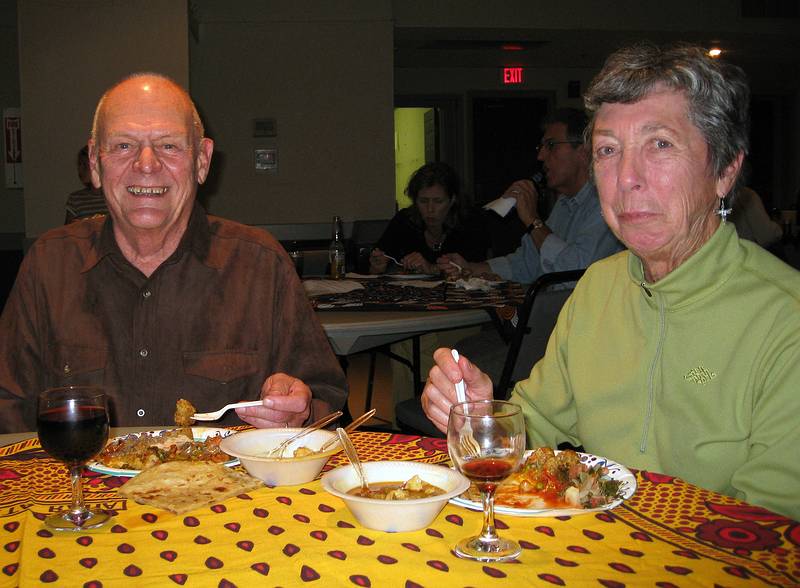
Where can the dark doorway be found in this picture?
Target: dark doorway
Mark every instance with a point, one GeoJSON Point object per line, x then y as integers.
{"type": "Point", "coordinates": [505, 134]}
{"type": "Point", "coordinates": [506, 131]}
{"type": "Point", "coordinates": [763, 139]}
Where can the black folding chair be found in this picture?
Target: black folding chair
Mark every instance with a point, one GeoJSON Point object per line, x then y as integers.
{"type": "Point", "coordinates": [536, 318]}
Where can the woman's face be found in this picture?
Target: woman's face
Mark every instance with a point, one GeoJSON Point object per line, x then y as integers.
{"type": "Point", "coordinates": [433, 204]}
{"type": "Point", "coordinates": [657, 188]}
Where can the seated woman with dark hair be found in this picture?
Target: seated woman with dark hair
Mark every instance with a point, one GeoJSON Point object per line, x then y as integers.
{"type": "Point", "coordinates": [437, 222]}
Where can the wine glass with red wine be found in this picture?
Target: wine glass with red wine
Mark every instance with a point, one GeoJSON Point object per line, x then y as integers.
{"type": "Point", "coordinates": [73, 427]}
{"type": "Point", "coordinates": [486, 440]}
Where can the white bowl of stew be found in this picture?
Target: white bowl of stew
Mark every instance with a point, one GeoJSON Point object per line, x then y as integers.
{"type": "Point", "coordinates": [395, 516]}
{"type": "Point", "coordinates": [252, 448]}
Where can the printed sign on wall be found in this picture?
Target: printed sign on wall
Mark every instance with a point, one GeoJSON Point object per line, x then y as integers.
{"type": "Point", "coordinates": [12, 147]}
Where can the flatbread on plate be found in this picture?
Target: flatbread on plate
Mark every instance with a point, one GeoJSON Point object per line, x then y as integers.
{"type": "Point", "coordinates": [181, 486]}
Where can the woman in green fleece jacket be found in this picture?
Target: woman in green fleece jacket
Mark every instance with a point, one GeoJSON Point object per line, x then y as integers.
{"type": "Point", "coordinates": [682, 354]}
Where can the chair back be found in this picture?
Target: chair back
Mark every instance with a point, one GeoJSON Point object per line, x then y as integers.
{"type": "Point", "coordinates": [536, 319]}
{"type": "Point", "coordinates": [365, 234]}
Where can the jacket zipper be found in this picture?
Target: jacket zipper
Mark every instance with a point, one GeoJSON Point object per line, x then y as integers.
{"type": "Point", "coordinates": [651, 374]}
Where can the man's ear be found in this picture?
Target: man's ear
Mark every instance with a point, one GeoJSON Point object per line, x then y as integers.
{"type": "Point", "coordinates": [203, 159]}
{"type": "Point", "coordinates": [94, 163]}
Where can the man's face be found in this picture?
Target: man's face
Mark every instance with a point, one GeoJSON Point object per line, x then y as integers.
{"type": "Point", "coordinates": [146, 159]}
{"type": "Point", "coordinates": [657, 188]}
{"type": "Point", "coordinates": [565, 164]}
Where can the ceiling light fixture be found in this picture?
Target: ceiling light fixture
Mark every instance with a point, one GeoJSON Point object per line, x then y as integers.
{"type": "Point", "coordinates": [714, 52]}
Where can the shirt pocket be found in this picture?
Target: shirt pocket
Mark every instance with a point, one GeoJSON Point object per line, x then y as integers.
{"type": "Point", "coordinates": [221, 366]}
{"type": "Point", "coordinates": [77, 364]}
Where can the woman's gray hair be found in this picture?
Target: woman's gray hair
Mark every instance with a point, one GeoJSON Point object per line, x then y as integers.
{"type": "Point", "coordinates": [717, 92]}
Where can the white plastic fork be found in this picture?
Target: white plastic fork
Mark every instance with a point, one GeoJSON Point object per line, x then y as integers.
{"type": "Point", "coordinates": [389, 257]}
{"type": "Point", "coordinates": [213, 416]}
{"type": "Point", "coordinates": [468, 443]}
{"type": "Point", "coordinates": [461, 391]}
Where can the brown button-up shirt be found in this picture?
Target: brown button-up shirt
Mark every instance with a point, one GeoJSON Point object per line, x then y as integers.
{"type": "Point", "coordinates": [218, 317]}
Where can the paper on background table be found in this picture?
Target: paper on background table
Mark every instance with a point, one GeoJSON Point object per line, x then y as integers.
{"type": "Point", "coordinates": [475, 284]}
{"type": "Point", "coordinates": [316, 287]}
{"type": "Point", "coordinates": [502, 205]}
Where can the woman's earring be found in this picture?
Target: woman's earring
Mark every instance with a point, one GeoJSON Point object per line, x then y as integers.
{"type": "Point", "coordinates": [722, 211]}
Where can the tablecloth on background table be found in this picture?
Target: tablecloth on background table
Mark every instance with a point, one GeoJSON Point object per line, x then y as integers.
{"type": "Point", "coordinates": [384, 294]}
{"type": "Point", "coordinates": [669, 534]}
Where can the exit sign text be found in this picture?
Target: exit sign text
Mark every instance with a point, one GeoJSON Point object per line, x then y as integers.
{"type": "Point", "coordinates": [512, 75]}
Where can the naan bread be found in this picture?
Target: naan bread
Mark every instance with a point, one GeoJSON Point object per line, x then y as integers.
{"type": "Point", "coordinates": [181, 486]}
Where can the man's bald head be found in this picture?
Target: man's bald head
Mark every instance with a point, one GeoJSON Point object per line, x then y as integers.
{"type": "Point", "coordinates": [148, 81]}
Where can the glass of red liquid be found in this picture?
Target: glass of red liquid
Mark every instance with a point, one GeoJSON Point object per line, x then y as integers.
{"type": "Point", "coordinates": [486, 441]}
{"type": "Point", "coordinates": [72, 423]}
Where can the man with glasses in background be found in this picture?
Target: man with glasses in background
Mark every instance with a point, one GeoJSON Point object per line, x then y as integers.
{"type": "Point", "coordinates": [574, 234]}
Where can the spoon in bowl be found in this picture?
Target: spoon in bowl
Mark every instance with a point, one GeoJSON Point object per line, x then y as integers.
{"type": "Point", "coordinates": [349, 428]}
{"type": "Point", "coordinates": [352, 455]}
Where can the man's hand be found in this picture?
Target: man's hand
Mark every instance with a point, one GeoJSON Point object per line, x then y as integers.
{"type": "Point", "coordinates": [527, 200]}
{"type": "Point", "coordinates": [440, 389]}
{"type": "Point", "coordinates": [414, 262]}
{"type": "Point", "coordinates": [377, 262]}
{"type": "Point", "coordinates": [287, 403]}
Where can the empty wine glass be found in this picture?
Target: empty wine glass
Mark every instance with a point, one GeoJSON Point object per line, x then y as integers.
{"type": "Point", "coordinates": [486, 441]}
{"type": "Point", "coordinates": [72, 422]}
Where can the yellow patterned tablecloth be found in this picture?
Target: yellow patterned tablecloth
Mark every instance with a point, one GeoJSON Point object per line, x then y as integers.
{"type": "Point", "coordinates": [669, 534]}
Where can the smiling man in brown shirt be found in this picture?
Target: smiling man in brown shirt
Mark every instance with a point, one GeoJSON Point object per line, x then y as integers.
{"type": "Point", "coordinates": [161, 301]}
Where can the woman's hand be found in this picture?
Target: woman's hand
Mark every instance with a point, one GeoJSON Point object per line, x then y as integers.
{"type": "Point", "coordinates": [377, 262]}
{"type": "Point", "coordinates": [447, 265]}
{"type": "Point", "coordinates": [440, 389]}
{"type": "Point", "coordinates": [414, 262]}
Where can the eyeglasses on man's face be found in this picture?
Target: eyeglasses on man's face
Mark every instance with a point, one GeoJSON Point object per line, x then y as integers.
{"type": "Point", "coordinates": [548, 144]}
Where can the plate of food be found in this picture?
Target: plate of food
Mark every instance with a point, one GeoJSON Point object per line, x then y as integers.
{"type": "Point", "coordinates": [127, 455]}
{"type": "Point", "coordinates": [554, 483]}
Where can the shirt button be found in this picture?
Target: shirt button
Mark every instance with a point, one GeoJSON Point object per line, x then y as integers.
{"type": "Point", "coordinates": [146, 294]}
{"type": "Point", "coordinates": [140, 412]}
{"type": "Point", "coordinates": [67, 369]}
{"type": "Point", "coordinates": [143, 352]}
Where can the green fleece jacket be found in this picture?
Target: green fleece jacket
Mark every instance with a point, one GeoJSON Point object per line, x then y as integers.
{"type": "Point", "coordinates": [696, 376]}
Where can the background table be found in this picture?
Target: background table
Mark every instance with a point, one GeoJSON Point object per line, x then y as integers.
{"type": "Point", "coordinates": [669, 534]}
{"type": "Point", "coordinates": [354, 331]}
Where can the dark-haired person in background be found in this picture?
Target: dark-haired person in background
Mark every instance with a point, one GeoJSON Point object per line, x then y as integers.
{"type": "Point", "coordinates": [438, 222]}
{"type": "Point", "coordinates": [88, 201]}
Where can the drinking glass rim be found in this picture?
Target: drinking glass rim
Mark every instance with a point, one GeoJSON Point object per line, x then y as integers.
{"type": "Point", "coordinates": [51, 393]}
{"type": "Point", "coordinates": [484, 402]}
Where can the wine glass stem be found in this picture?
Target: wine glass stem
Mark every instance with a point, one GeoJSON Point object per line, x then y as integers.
{"type": "Point", "coordinates": [488, 531]}
{"type": "Point", "coordinates": [77, 511]}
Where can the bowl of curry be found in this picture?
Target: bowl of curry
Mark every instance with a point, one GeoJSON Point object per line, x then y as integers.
{"type": "Point", "coordinates": [403, 495]}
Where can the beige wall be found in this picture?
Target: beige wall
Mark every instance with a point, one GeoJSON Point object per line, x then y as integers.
{"type": "Point", "coordinates": [12, 202]}
{"type": "Point", "coordinates": [327, 81]}
{"type": "Point", "coordinates": [70, 52]}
